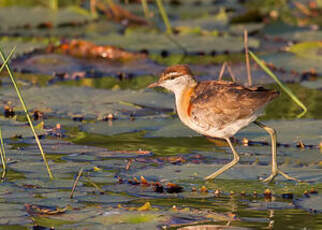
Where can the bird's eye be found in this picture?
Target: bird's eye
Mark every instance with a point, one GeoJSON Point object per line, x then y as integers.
{"type": "Point", "coordinates": [172, 76]}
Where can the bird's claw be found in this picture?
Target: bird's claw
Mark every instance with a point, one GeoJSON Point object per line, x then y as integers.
{"type": "Point", "coordinates": [275, 173]}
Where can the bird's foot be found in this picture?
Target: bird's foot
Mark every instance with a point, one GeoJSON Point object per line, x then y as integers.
{"type": "Point", "coordinates": [275, 173]}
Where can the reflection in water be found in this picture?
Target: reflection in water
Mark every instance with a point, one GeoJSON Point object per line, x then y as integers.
{"type": "Point", "coordinates": [271, 221]}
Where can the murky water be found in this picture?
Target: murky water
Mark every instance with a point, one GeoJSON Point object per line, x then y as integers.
{"type": "Point", "coordinates": [141, 168]}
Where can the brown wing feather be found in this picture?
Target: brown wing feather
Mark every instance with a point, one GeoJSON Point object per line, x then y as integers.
{"type": "Point", "coordinates": [216, 103]}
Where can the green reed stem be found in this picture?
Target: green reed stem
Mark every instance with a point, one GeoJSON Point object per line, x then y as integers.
{"type": "Point", "coordinates": [145, 9]}
{"type": "Point", "coordinates": [8, 58]}
{"type": "Point", "coordinates": [175, 42]}
{"type": "Point", "coordinates": [53, 4]}
{"type": "Point", "coordinates": [283, 87]}
{"type": "Point", "coordinates": [2, 150]}
{"type": "Point", "coordinates": [3, 157]}
{"type": "Point", "coordinates": [27, 114]}
{"type": "Point", "coordinates": [164, 16]}
{"type": "Point", "coordinates": [94, 185]}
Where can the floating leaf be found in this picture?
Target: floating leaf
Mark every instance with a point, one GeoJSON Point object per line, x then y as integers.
{"type": "Point", "coordinates": [145, 207]}
{"type": "Point", "coordinates": [311, 50]}
{"type": "Point", "coordinates": [37, 16]}
{"type": "Point", "coordinates": [157, 42]}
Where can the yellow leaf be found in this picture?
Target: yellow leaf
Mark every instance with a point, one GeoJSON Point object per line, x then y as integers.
{"type": "Point", "coordinates": [40, 125]}
{"type": "Point", "coordinates": [96, 169]}
{"type": "Point", "coordinates": [145, 207]}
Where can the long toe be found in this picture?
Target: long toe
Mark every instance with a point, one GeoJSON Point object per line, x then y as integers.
{"type": "Point", "coordinates": [278, 171]}
{"type": "Point", "coordinates": [288, 177]}
{"type": "Point", "coordinates": [270, 178]}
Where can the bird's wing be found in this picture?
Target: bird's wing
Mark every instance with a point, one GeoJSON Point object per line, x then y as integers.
{"type": "Point", "coordinates": [216, 103]}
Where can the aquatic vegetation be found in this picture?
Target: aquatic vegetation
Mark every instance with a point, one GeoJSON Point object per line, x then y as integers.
{"type": "Point", "coordinates": [121, 157]}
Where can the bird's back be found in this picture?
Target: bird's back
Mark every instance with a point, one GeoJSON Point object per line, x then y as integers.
{"type": "Point", "coordinates": [217, 104]}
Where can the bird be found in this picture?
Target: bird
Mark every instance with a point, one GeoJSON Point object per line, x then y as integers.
{"type": "Point", "coordinates": [219, 109]}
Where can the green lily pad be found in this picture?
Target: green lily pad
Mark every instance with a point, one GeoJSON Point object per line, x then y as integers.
{"type": "Point", "coordinates": [68, 101]}
{"type": "Point", "coordinates": [104, 198]}
{"type": "Point", "coordinates": [22, 45]}
{"type": "Point", "coordinates": [315, 84]}
{"type": "Point", "coordinates": [241, 172]}
{"type": "Point", "coordinates": [126, 221]}
{"type": "Point", "coordinates": [173, 128]}
{"type": "Point", "coordinates": [271, 205]}
{"type": "Point", "coordinates": [250, 27]}
{"type": "Point", "coordinates": [76, 68]}
{"type": "Point", "coordinates": [157, 42]}
{"type": "Point", "coordinates": [291, 62]}
{"type": "Point", "coordinates": [11, 128]}
{"type": "Point", "coordinates": [183, 9]}
{"type": "Point", "coordinates": [201, 24]}
{"type": "Point", "coordinates": [97, 28]}
{"type": "Point", "coordinates": [310, 50]}
{"type": "Point", "coordinates": [312, 204]}
{"type": "Point", "coordinates": [35, 16]}
{"type": "Point", "coordinates": [124, 126]}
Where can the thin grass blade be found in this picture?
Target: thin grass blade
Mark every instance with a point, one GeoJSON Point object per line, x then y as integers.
{"type": "Point", "coordinates": [145, 9]}
{"type": "Point", "coordinates": [8, 59]}
{"type": "Point", "coordinates": [164, 16]}
{"type": "Point", "coordinates": [27, 114]}
{"type": "Point", "coordinates": [3, 157]}
{"type": "Point", "coordinates": [53, 4]}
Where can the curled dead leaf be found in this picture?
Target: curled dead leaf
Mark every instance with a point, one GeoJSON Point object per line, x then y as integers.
{"type": "Point", "coordinates": [85, 49]}
{"type": "Point", "coordinates": [33, 209]}
{"type": "Point", "coordinates": [173, 188]}
{"type": "Point", "coordinates": [144, 182]}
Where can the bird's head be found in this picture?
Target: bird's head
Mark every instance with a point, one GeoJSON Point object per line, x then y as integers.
{"type": "Point", "coordinates": [175, 78]}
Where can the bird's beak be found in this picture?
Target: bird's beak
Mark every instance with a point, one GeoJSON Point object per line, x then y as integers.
{"type": "Point", "coordinates": [154, 84]}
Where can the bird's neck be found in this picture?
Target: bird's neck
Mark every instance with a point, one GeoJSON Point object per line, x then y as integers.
{"type": "Point", "coordinates": [183, 97]}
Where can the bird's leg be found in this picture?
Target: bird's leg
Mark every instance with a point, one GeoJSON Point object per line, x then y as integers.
{"type": "Point", "coordinates": [275, 169]}
{"type": "Point", "coordinates": [227, 166]}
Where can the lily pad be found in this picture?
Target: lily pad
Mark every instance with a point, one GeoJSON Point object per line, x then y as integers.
{"type": "Point", "coordinates": [271, 205]}
{"type": "Point", "coordinates": [194, 171]}
{"type": "Point", "coordinates": [311, 50]}
{"type": "Point", "coordinates": [68, 101]}
{"type": "Point", "coordinates": [203, 24]}
{"type": "Point", "coordinates": [157, 42]}
{"type": "Point", "coordinates": [312, 204]}
{"type": "Point", "coordinates": [73, 67]}
{"type": "Point", "coordinates": [11, 129]}
{"type": "Point", "coordinates": [104, 199]}
{"type": "Point", "coordinates": [124, 126]}
{"type": "Point", "coordinates": [97, 28]}
{"type": "Point", "coordinates": [32, 17]}
{"type": "Point", "coordinates": [291, 62]}
{"type": "Point", "coordinates": [98, 116]}
{"type": "Point", "coordinates": [22, 45]}
{"type": "Point", "coordinates": [315, 84]}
